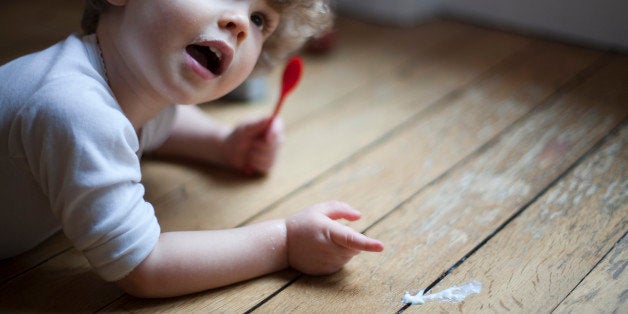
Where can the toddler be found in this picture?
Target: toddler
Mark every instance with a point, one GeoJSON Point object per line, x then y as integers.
{"type": "Point", "coordinates": [76, 117]}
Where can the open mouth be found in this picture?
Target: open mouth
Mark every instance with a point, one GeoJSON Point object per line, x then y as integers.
{"type": "Point", "coordinates": [208, 57]}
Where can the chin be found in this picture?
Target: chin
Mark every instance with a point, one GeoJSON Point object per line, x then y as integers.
{"type": "Point", "coordinates": [183, 97]}
{"type": "Point", "coordinates": [184, 93]}
{"type": "Point", "coordinates": [195, 98]}
{"type": "Point", "coordinates": [188, 90]}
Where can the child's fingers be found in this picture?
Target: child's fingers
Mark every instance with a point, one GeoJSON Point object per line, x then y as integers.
{"type": "Point", "coordinates": [339, 210]}
{"type": "Point", "coordinates": [350, 239]}
{"type": "Point", "coordinates": [275, 131]}
{"type": "Point", "coordinates": [262, 163]}
{"type": "Point", "coordinates": [253, 128]}
{"type": "Point", "coordinates": [257, 129]}
{"type": "Point", "coordinates": [262, 154]}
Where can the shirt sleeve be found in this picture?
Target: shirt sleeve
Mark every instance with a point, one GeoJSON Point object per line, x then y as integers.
{"type": "Point", "coordinates": [156, 131]}
{"type": "Point", "coordinates": [83, 155]}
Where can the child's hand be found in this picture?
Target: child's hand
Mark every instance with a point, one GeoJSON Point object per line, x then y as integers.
{"type": "Point", "coordinates": [318, 245]}
{"type": "Point", "coordinates": [252, 148]}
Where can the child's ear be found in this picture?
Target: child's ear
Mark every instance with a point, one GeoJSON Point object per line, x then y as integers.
{"type": "Point", "coordinates": [118, 3]}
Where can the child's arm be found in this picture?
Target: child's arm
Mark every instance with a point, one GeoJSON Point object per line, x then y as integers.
{"type": "Point", "coordinates": [191, 261]}
{"type": "Point", "coordinates": [196, 136]}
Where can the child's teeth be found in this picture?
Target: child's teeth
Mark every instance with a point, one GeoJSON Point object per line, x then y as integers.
{"type": "Point", "coordinates": [216, 51]}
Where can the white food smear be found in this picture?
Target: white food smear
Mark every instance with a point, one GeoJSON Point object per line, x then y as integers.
{"type": "Point", "coordinates": [454, 294]}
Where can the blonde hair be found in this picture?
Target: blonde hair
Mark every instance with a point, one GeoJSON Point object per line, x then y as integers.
{"type": "Point", "coordinates": [300, 20]}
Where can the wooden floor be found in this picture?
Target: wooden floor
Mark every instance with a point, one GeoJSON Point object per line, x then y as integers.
{"type": "Point", "coordinates": [473, 154]}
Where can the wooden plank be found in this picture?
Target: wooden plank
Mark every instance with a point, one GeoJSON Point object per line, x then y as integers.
{"type": "Point", "coordinates": [604, 289]}
{"type": "Point", "coordinates": [208, 200]}
{"type": "Point", "coordinates": [375, 185]}
{"type": "Point", "coordinates": [434, 229]}
{"type": "Point", "coordinates": [436, 141]}
{"type": "Point", "coordinates": [334, 74]}
{"type": "Point", "coordinates": [357, 60]}
{"type": "Point", "coordinates": [62, 284]}
{"type": "Point", "coordinates": [545, 252]}
{"type": "Point", "coordinates": [12, 267]}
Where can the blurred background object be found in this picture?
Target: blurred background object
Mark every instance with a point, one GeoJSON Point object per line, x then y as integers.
{"type": "Point", "coordinates": [601, 23]}
{"type": "Point", "coordinates": [391, 12]}
{"type": "Point", "coordinates": [597, 23]}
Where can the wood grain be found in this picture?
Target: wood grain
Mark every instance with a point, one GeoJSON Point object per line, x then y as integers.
{"type": "Point", "coordinates": [435, 141]}
{"type": "Point", "coordinates": [339, 79]}
{"type": "Point", "coordinates": [382, 53]}
{"type": "Point", "coordinates": [544, 253]}
{"type": "Point", "coordinates": [604, 289]}
{"type": "Point", "coordinates": [12, 267]}
{"type": "Point", "coordinates": [436, 228]}
{"type": "Point", "coordinates": [215, 199]}
{"type": "Point", "coordinates": [61, 284]}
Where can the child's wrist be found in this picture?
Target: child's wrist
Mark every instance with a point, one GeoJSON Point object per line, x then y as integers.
{"type": "Point", "coordinates": [279, 242]}
{"type": "Point", "coordinates": [284, 236]}
{"type": "Point", "coordinates": [220, 142]}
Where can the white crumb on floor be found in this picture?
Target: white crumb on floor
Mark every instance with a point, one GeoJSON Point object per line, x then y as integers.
{"type": "Point", "coordinates": [454, 294]}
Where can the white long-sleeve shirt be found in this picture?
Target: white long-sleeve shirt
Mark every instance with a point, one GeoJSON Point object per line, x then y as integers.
{"type": "Point", "coordinates": [69, 159]}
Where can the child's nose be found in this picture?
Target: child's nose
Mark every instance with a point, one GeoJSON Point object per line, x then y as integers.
{"type": "Point", "coordinates": [237, 23]}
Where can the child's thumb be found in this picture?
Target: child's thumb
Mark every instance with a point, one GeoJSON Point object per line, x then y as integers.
{"type": "Point", "coordinates": [340, 210]}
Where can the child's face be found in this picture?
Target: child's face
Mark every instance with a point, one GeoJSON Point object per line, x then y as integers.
{"type": "Point", "coordinates": [192, 51]}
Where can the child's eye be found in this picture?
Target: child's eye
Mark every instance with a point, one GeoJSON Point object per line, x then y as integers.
{"type": "Point", "coordinates": [258, 19]}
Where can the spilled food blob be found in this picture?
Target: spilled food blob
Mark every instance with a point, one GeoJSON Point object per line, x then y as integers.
{"type": "Point", "coordinates": [454, 294]}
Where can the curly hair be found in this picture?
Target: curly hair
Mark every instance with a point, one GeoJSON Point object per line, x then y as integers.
{"type": "Point", "coordinates": [300, 20]}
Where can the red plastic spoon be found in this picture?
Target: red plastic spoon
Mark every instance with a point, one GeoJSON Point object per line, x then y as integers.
{"type": "Point", "coordinates": [291, 76]}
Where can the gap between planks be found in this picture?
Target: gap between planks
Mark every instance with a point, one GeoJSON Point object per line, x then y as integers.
{"type": "Point", "coordinates": [575, 157]}
{"type": "Point", "coordinates": [593, 150]}
{"type": "Point", "coordinates": [609, 151]}
{"type": "Point", "coordinates": [593, 291]}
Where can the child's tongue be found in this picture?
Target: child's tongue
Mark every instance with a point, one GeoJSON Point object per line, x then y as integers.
{"type": "Point", "coordinates": [198, 55]}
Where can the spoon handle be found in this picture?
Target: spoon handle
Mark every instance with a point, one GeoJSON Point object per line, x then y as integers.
{"type": "Point", "coordinates": [291, 77]}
